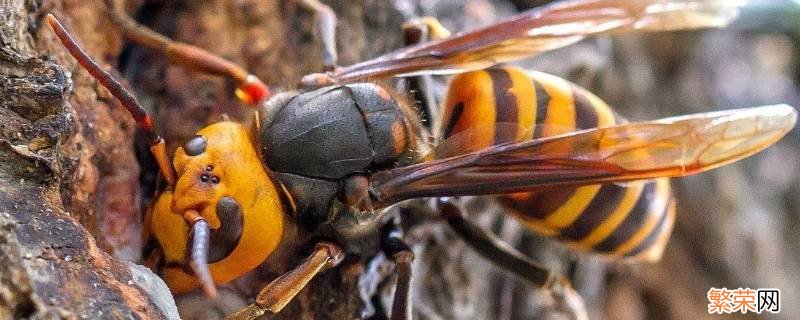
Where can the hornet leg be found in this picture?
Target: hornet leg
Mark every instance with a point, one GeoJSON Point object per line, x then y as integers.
{"type": "Point", "coordinates": [326, 26]}
{"type": "Point", "coordinates": [504, 255]}
{"type": "Point", "coordinates": [493, 248]}
{"type": "Point", "coordinates": [249, 88]}
{"type": "Point", "coordinates": [402, 256]}
{"type": "Point", "coordinates": [278, 293]}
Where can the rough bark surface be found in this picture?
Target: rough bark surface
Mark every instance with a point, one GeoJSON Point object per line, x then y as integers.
{"type": "Point", "coordinates": [71, 200]}
{"type": "Point", "coordinates": [54, 135]}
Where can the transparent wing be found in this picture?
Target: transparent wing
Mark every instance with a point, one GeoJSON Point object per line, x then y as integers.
{"type": "Point", "coordinates": [668, 147]}
{"type": "Point", "coordinates": [470, 140]}
{"type": "Point", "coordinates": [540, 30]}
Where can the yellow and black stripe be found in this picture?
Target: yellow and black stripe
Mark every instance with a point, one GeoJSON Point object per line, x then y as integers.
{"type": "Point", "coordinates": [506, 104]}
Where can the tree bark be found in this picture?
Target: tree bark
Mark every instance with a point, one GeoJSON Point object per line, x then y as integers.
{"type": "Point", "coordinates": [55, 134]}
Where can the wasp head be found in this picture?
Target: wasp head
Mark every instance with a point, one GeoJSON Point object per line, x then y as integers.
{"type": "Point", "coordinates": [220, 161]}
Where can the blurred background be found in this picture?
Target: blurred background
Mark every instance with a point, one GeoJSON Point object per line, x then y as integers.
{"type": "Point", "coordinates": [737, 226]}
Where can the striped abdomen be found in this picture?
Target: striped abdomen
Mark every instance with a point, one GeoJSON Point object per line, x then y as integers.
{"type": "Point", "coordinates": [492, 106]}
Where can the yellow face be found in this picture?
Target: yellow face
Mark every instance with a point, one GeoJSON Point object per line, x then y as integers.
{"type": "Point", "coordinates": [219, 162]}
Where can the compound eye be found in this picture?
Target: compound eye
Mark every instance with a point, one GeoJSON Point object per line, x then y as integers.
{"type": "Point", "coordinates": [196, 145]}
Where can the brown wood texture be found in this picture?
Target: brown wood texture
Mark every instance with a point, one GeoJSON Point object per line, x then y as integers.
{"type": "Point", "coordinates": [69, 165]}
{"type": "Point", "coordinates": [64, 165]}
